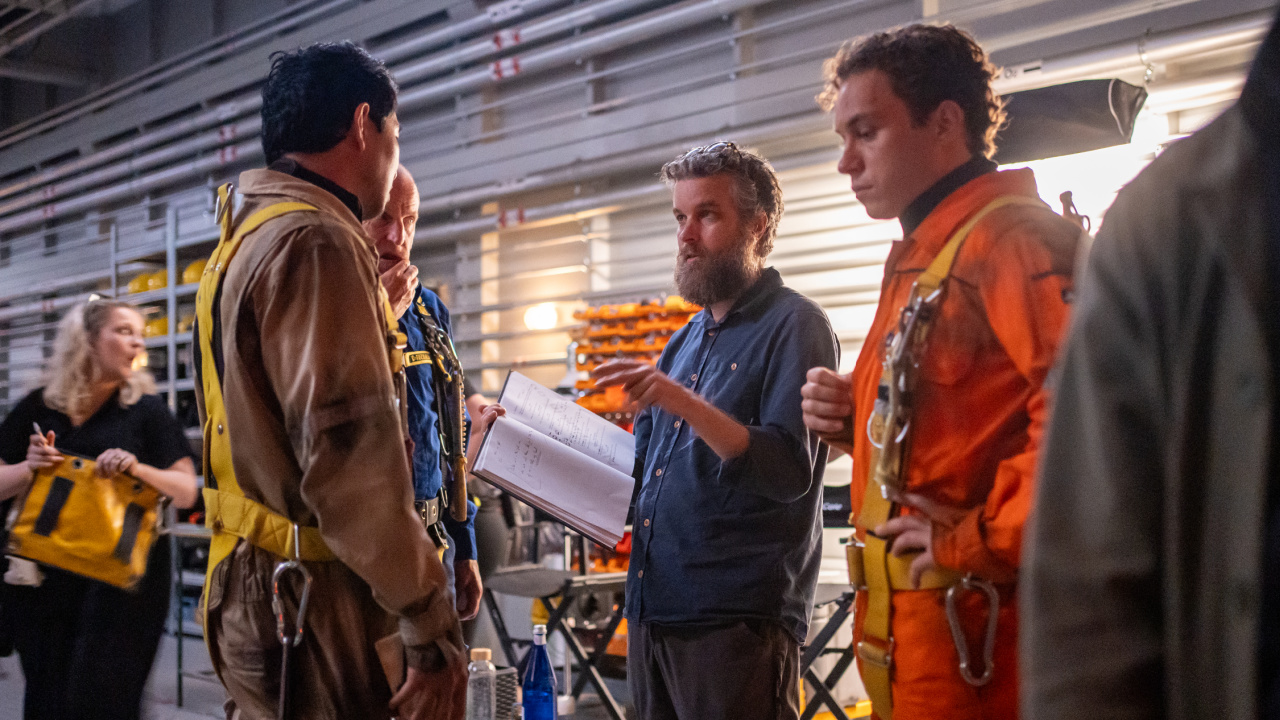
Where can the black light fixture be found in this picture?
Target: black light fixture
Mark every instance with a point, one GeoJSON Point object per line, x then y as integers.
{"type": "Point", "coordinates": [1067, 119]}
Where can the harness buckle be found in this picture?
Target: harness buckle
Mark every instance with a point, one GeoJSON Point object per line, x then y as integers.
{"type": "Point", "coordinates": [971, 583]}
{"type": "Point", "coordinates": [879, 656]}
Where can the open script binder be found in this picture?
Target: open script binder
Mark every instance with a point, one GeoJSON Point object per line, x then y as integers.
{"type": "Point", "coordinates": [560, 458]}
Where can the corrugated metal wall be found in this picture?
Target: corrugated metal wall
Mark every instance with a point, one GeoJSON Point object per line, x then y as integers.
{"type": "Point", "coordinates": [536, 136]}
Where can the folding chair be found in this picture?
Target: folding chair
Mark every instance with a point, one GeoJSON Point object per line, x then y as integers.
{"type": "Point", "coordinates": [823, 687]}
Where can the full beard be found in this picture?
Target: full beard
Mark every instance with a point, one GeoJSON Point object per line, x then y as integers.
{"type": "Point", "coordinates": [714, 278]}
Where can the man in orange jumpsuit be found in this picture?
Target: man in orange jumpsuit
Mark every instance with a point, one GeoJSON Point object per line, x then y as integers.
{"type": "Point", "coordinates": [917, 115]}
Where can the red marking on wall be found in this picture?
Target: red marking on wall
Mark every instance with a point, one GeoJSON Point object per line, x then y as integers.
{"type": "Point", "coordinates": [505, 68]}
{"type": "Point", "coordinates": [227, 155]}
{"type": "Point", "coordinates": [227, 132]}
{"type": "Point", "coordinates": [511, 218]}
{"type": "Point", "coordinates": [48, 211]}
{"type": "Point", "coordinates": [506, 38]}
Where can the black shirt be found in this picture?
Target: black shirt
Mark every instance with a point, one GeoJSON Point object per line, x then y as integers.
{"type": "Point", "coordinates": [920, 208]}
{"type": "Point", "coordinates": [147, 429]}
{"type": "Point", "coordinates": [291, 167]}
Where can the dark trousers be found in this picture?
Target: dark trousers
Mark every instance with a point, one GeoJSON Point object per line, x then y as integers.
{"type": "Point", "coordinates": [491, 550]}
{"type": "Point", "coordinates": [86, 647]}
{"type": "Point", "coordinates": [746, 670]}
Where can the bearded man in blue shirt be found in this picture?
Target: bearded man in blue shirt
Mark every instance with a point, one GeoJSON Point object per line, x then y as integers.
{"type": "Point", "coordinates": [727, 515]}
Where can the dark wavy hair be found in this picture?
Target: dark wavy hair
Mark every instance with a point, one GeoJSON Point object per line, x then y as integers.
{"type": "Point", "coordinates": [926, 64]}
{"type": "Point", "coordinates": [312, 93]}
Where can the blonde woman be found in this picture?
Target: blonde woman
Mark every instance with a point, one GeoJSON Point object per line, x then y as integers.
{"type": "Point", "coordinates": [87, 647]}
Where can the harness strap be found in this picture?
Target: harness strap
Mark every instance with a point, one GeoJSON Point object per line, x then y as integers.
{"type": "Point", "coordinates": [883, 573]}
{"type": "Point", "coordinates": [229, 514]}
{"type": "Point", "coordinates": [447, 379]}
{"type": "Point", "coordinates": [258, 524]}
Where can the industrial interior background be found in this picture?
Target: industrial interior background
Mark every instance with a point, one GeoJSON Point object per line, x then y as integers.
{"type": "Point", "coordinates": [535, 129]}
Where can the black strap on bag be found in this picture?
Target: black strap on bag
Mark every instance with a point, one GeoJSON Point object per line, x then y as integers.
{"type": "Point", "coordinates": [6, 624]}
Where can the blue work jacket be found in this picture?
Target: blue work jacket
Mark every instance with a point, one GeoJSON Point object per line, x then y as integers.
{"type": "Point", "coordinates": [428, 473]}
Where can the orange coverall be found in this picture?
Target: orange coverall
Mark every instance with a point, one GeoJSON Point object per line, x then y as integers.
{"type": "Point", "coordinates": [977, 422]}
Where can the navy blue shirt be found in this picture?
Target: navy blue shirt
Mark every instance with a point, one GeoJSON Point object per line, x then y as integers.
{"type": "Point", "coordinates": [716, 542]}
{"type": "Point", "coordinates": [428, 473]}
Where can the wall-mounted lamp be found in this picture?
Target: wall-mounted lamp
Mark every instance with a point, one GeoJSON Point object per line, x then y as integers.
{"type": "Point", "coordinates": [542, 316]}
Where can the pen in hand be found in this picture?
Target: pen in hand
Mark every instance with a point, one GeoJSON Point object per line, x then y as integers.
{"type": "Point", "coordinates": [47, 455]}
{"type": "Point", "coordinates": [47, 439]}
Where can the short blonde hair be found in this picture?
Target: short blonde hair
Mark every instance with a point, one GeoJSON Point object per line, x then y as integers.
{"type": "Point", "coordinates": [70, 372]}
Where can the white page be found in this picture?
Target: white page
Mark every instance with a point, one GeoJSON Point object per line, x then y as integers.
{"type": "Point", "coordinates": [575, 488]}
{"type": "Point", "coordinates": [558, 417]}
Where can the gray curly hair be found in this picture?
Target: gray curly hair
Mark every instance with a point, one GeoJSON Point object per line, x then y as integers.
{"type": "Point", "coordinates": [755, 183]}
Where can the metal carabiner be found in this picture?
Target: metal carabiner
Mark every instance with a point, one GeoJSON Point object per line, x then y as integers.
{"type": "Point", "coordinates": [277, 604]}
{"type": "Point", "coordinates": [288, 642]}
{"type": "Point", "coordinates": [970, 583]}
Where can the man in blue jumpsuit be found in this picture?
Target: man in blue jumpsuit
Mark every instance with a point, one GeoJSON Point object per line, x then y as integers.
{"type": "Point", "coordinates": [419, 309]}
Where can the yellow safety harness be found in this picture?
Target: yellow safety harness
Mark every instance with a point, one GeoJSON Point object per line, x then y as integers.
{"type": "Point", "coordinates": [872, 569]}
{"type": "Point", "coordinates": [228, 513]}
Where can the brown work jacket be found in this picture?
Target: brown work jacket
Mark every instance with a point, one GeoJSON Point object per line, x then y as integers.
{"type": "Point", "coordinates": [316, 436]}
{"type": "Point", "coordinates": [1143, 583]}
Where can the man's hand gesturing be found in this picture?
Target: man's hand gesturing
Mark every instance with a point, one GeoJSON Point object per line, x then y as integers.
{"type": "Point", "coordinates": [645, 385]}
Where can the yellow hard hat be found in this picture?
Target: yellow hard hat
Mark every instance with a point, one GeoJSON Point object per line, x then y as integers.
{"type": "Point", "coordinates": [156, 327]}
{"type": "Point", "coordinates": [194, 271]}
{"type": "Point", "coordinates": [158, 279]}
{"type": "Point", "coordinates": [139, 283]}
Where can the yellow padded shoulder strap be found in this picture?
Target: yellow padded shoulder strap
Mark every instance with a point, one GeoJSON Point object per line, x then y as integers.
{"type": "Point", "coordinates": [940, 269]}
{"type": "Point", "coordinates": [217, 455]}
{"type": "Point", "coordinates": [229, 513]}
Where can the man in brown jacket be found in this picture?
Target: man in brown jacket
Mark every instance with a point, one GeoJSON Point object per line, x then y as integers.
{"type": "Point", "coordinates": [311, 410]}
{"type": "Point", "coordinates": [1152, 572]}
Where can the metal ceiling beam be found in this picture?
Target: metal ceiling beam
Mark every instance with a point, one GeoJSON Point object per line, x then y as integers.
{"type": "Point", "coordinates": [59, 11]}
{"type": "Point", "coordinates": [30, 4]}
{"type": "Point", "coordinates": [35, 72]}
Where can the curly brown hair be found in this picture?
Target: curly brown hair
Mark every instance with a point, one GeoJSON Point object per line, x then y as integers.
{"type": "Point", "coordinates": [926, 64]}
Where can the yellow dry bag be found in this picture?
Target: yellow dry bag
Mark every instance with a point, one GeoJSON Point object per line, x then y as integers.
{"type": "Point", "coordinates": [102, 528]}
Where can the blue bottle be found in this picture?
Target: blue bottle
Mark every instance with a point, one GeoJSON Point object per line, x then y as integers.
{"type": "Point", "coordinates": [538, 688]}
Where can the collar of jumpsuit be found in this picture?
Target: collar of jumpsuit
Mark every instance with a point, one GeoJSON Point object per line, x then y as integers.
{"type": "Point", "coordinates": [347, 198]}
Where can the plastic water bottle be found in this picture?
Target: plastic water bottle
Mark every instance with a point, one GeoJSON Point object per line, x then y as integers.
{"type": "Point", "coordinates": [482, 681]}
{"type": "Point", "coordinates": [538, 688]}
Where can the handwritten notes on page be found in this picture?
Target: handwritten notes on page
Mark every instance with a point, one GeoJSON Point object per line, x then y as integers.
{"type": "Point", "coordinates": [559, 418]}
{"type": "Point", "coordinates": [560, 458]}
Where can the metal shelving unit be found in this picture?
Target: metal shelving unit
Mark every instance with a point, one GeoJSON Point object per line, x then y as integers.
{"type": "Point", "coordinates": [176, 249]}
